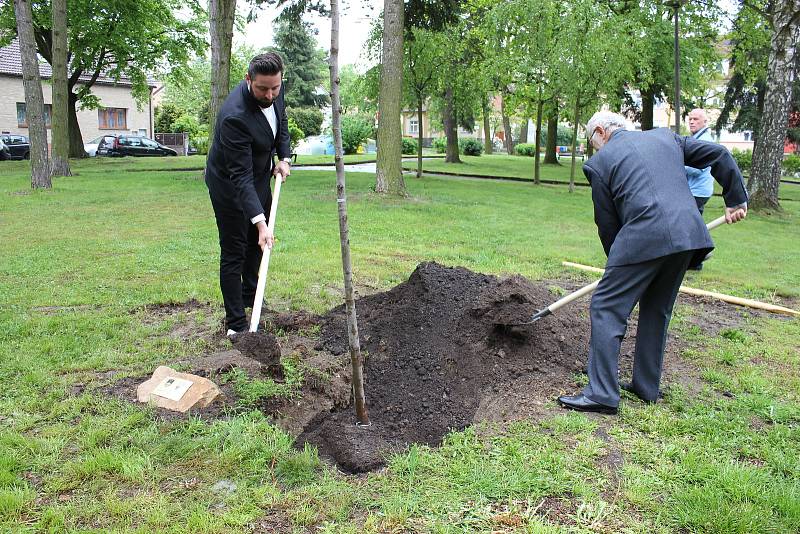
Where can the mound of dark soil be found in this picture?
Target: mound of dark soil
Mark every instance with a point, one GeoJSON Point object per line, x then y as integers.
{"type": "Point", "coordinates": [435, 359]}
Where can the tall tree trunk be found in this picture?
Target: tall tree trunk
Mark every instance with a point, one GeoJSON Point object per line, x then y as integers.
{"type": "Point", "coordinates": [576, 122]}
{"type": "Point", "coordinates": [509, 141]}
{"type": "Point", "coordinates": [487, 130]}
{"type": "Point", "coordinates": [60, 89]}
{"type": "Point", "coordinates": [34, 99]}
{"type": "Point", "coordinates": [389, 172]}
{"type": "Point", "coordinates": [420, 137]}
{"type": "Point", "coordinates": [450, 128]}
{"type": "Point", "coordinates": [523, 131]}
{"type": "Point", "coordinates": [552, 136]}
{"type": "Point", "coordinates": [221, 13]}
{"type": "Point", "coordinates": [538, 140]}
{"type": "Point", "coordinates": [356, 359]}
{"type": "Point", "coordinates": [648, 100]}
{"type": "Point", "coordinates": [76, 149]}
{"type": "Point", "coordinates": [781, 71]}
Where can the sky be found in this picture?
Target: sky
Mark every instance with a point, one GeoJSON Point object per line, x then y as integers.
{"type": "Point", "coordinates": [354, 22]}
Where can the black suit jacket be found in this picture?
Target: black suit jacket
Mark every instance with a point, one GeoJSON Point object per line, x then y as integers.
{"type": "Point", "coordinates": [642, 204]}
{"type": "Point", "coordinates": [239, 164]}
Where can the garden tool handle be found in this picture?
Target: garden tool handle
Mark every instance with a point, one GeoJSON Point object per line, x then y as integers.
{"type": "Point", "coordinates": [264, 266]}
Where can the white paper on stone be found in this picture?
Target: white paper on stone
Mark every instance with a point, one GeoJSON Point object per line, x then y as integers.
{"type": "Point", "coordinates": [172, 388]}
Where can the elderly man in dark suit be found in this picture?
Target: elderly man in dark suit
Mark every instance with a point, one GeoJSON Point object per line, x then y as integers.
{"type": "Point", "coordinates": [251, 128]}
{"type": "Point", "coordinates": [652, 232]}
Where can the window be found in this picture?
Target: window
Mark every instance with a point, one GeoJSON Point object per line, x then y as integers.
{"type": "Point", "coordinates": [413, 126]}
{"type": "Point", "coordinates": [22, 115]}
{"type": "Point", "coordinates": [748, 136]}
{"type": "Point", "coordinates": [112, 118]}
{"type": "Point", "coordinates": [149, 144]}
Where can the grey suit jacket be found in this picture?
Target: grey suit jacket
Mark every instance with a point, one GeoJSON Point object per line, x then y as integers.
{"type": "Point", "coordinates": [642, 204]}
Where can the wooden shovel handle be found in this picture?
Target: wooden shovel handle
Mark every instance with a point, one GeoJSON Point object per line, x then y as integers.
{"type": "Point", "coordinates": [264, 266]}
{"type": "Point", "coordinates": [585, 290]}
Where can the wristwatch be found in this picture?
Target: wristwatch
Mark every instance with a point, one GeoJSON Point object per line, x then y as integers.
{"type": "Point", "coordinates": [287, 160]}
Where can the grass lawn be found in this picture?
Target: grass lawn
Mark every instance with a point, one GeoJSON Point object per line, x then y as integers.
{"type": "Point", "coordinates": [79, 262]}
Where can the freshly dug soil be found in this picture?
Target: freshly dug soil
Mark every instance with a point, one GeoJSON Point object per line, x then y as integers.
{"type": "Point", "coordinates": [436, 361]}
{"type": "Point", "coordinates": [263, 347]}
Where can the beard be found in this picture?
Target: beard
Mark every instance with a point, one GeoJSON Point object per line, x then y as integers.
{"type": "Point", "coordinates": [263, 102]}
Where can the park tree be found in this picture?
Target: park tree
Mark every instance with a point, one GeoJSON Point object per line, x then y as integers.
{"type": "Point", "coordinates": [356, 358]}
{"type": "Point", "coordinates": [531, 28]}
{"type": "Point", "coordinates": [782, 18]}
{"type": "Point", "coordinates": [60, 92]}
{"type": "Point", "coordinates": [124, 39]}
{"type": "Point", "coordinates": [596, 57]}
{"type": "Point", "coordinates": [34, 99]}
{"type": "Point", "coordinates": [389, 175]}
{"type": "Point", "coordinates": [304, 64]}
{"type": "Point", "coordinates": [221, 16]}
{"type": "Point", "coordinates": [422, 57]}
{"type": "Point", "coordinates": [649, 26]}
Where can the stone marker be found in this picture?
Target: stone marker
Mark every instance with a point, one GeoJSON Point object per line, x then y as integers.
{"type": "Point", "coordinates": [200, 393]}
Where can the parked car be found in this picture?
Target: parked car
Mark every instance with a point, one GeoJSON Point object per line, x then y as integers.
{"type": "Point", "coordinates": [19, 147]}
{"type": "Point", "coordinates": [91, 147]}
{"type": "Point", "coordinates": [132, 145]}
{"type": "Point", "coordinates": [5, 153]}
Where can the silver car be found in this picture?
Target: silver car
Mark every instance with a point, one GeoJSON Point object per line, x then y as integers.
{"type": "Point", "coordinates": [91, 147]}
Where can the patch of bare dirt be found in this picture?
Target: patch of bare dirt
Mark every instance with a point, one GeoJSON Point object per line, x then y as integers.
{"type": "Point", "coordinates": [435, 361]}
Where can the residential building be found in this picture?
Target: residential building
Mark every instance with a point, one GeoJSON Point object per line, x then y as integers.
{"type": "Point", "coordinates": [119, 112]}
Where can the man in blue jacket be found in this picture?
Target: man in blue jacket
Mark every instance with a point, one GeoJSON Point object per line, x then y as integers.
{"type": "Point", "coordinates": [701, 183]}
{"type": "Point", "coordinates": [251, 128]}
{"type": "Point", "coordinates": [652, 231]}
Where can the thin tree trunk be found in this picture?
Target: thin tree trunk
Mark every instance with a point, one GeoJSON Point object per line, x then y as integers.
{"type": "Point", "coordinates": [574, 144]}
{"type": "Point", "coordinates": [34, 99]}
{"type": "Point", "coordinates": [60, 89]}
{"type": "Point", "coordinates": [389, 172]}
{"type": "Point", "coordinates": [536, 156]}
{"type": "Point", "coordinates": [648, 100]}
{"type": "Point", "coordinates": [221, 13]}
{"type": "Point", "coordinates": [552, 136]}
{"type": "Point", "coordinates": [487, 130]}
{"type": "Point", "coordinates": [356, 360]}
{"type": "Point", "coordinates": [76, 149]}
{"type": "Point", "coordinates": [781, 71]}
{"type": "Point", "coordinates": [523, 131]}
{"type": "Point", "coordinates": [450, 129]}
{"type": "Point", "coordinates": [509, 141]}
{"type": "Point", "coordinates": [419, 138]}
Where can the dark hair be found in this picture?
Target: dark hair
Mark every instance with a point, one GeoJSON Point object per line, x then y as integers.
{"type": "Point", "coordinates": [269, 64]}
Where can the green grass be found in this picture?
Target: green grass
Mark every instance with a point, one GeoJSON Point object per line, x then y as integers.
{"type": "Point", "coordinates": [79, 262]}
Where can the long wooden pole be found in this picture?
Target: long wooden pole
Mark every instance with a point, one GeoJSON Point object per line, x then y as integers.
{"type": "Point", "coordinates": [703, 293]}
{"type": "Point", "coordinates": [356, 359]}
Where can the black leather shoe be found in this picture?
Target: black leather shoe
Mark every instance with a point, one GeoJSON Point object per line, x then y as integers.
{"type": "Point", "coordinates": [582, 404]}
{"type": "Point", "coordinates": [628, 386]}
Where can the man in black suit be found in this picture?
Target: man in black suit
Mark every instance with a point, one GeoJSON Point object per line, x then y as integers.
{"type": "Point", "coordinates": [251, 128]}
{"type": "Point", "coordinates": [652, 232]}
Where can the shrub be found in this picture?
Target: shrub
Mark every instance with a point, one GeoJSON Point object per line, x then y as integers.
{"type": "Point", "coordinates": [440, 145]}
{"type": "Point", "coordinates": [307, 119]}
{"type": "Point", "coordinates": [409, 145]}
{"type": "Point", "coordinates": [295, 133]}
{"type": "Point", "coordinates": [744, 159]}
{"type": "Point", "coordinates": [356, 129]}
{"type": "Point", "coordinates": [791, 164]}
{"type": "Point", "coordinates": [525, 149]}
{"type": "Point", "coordinates": [470, 147]}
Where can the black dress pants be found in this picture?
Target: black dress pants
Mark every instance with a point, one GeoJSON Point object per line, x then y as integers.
{"type": "Point", "coordinates": [240, 258]}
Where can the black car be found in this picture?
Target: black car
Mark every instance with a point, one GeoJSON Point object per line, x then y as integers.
{"type": "Point", "coordinates": [132, 145]}
{"type": "Point", "coordinates": [19, 147]}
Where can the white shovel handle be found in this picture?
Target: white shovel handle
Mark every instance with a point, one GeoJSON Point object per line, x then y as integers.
{"type": "Point", "coordinates": [585, 290]}
{"type": "Point", "coordinates": [264, 267]}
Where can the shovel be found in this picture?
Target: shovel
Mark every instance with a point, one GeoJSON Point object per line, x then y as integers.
{"type": "Point", "coordinates": [585, 290]}
{"type": "Point", "coordinates": [264, 267]}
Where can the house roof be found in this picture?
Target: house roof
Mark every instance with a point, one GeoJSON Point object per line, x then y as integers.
{"type": "Point", "coordinates": [11, 65]}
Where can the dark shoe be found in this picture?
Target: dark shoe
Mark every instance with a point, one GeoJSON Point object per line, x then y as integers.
{"type": "Point", "coordinates": [628, 386]}
{"type": "Point", "coordinates": [698, 267]}
{"type": "Point", "coordinates": [583, 404]}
